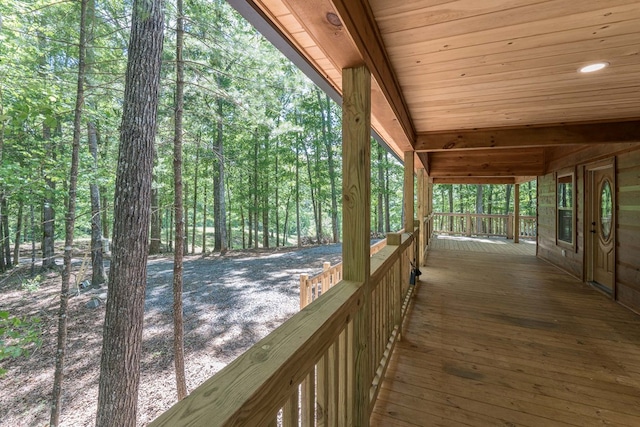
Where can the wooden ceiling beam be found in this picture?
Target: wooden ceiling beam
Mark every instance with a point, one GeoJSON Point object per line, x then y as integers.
{"type": "Point", "coordinates": [357, 17]}
{"type": "Point", "coordinates": [543, 136]}
{"type": "Point", "coordinates": [502, 163]}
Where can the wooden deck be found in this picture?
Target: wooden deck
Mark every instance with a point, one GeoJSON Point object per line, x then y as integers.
{"type": "Point", "coordinates": [495, 245]}
{"type": "Point", "coordinates": [509, 340]}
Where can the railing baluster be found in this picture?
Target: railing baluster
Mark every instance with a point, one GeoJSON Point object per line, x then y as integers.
{"type": "Point", "coordinates": [322, 397]}
{"type": "Point", "coordinates": [308, 410]}
{"type": "Point", "coordinates": [290, 412]}
{"type": "Point", "coordinates": [342, 376]}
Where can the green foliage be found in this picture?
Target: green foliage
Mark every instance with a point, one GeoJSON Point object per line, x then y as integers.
{"type": "Point", "coordinates": [18, 336]}
{"type": "Point", "coordinates": [238, 89]}
{"type": "Point", "coordinates": [31, 284]}
{"type": "Point", "coordinates": [496, 199]}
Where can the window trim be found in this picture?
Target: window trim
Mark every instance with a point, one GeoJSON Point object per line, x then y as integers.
{"type": "Point", "coordinates": [559, 175]}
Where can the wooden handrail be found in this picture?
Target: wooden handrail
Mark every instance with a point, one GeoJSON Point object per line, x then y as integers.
{"type": "Point", "coordinates": [304, 369]}
{"type": "Point", "coordinates": [471, 224]}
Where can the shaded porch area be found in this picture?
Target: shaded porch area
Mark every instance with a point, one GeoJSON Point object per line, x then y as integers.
{"type": "Point", "coordinates": [499, 337]}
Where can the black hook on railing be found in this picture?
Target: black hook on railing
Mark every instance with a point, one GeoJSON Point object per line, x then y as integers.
{"type": "Point", "coordinates": [415, 273]}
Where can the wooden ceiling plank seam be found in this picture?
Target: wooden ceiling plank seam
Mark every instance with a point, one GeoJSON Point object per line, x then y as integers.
{"type": "Point", "coordinates": [576, 56]}
{"type": "Point", "coordinates": [505, 50]}
{"type": "Point", "coordinates": [523, 21]}
{"type": "Point", "coordinates": [518, 94]}
{"type": "Point", "coordinates": [452, 14]}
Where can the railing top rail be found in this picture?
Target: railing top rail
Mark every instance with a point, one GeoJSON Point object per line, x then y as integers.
{"type": "Point", "coordinates": [481, 215]}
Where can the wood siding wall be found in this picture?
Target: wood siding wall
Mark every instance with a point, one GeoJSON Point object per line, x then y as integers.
{"type": "Point", "coordinates": [628, 229]}
{"type": "Point", "coordinates": [573, 259]}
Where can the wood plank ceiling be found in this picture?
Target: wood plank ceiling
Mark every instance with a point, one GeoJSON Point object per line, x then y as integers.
{"type": "Point", "coordinates": [480, 89]}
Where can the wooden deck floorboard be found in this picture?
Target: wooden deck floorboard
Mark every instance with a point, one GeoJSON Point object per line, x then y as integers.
{"type": "Point", "coordinates": [497, 337]}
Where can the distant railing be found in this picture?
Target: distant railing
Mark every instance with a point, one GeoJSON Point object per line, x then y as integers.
{"type": "Point", "coordinates": [323, 366]}
{"type": "Point", "coordinates": [469, 224]}
{"type": "Point", "coordinates": [312, 287]}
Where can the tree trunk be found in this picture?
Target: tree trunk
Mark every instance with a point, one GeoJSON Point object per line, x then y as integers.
{"type": "Point", "coordinates": [250, 215]}
{"type": "Point", "coordinates": [97, 264]}
{"type": "Point", "coordinates": [327, 137]}
{"type": "Point", "coordinates": [277, 191]}
{"type": "Point", "coordinates": [195, 196]}
{"type": "Point", "coordinates": [69, 225]}
{"type": "Point", "coordinates": [450, 207]}
{"type": "Point", "coordinates": [104, 205]}
{"type": "Point", "coordinates": [122, 338]}
{"type": "Point", "coordinates": [255, 191]}
{"type": "Point", "coordinates": [155, 243]}
{"type": "Point", "coordinates": [3, 265]}
{"type": "Point", "coordinates": [6, 243]}
{"type": "Point", "coordinates": [32, 215]}
{"type": "Point", "coordinates": [490, 208]}
{"type": "Point", "coordinates": [314, 199]}
{"type": "Point", "coordinates": [479, 207]}
{"type": "Point", "coordinates": [265, 215]}
{"type": "Point", "coordinates": [204, 217]}
{"type": "Point", "coordinates": [380, 191]}
{"type": "Point", "coordinates": [298, 188]}
{"type": "Point", "coordinates": [2, 125]}
{"type": "Point", "coordinates": [244, 241]}
{"type": "Point", "coordinates": [181, 232]}
{"type": "Point", "coordinates": [219, 208]}
{"type": "Point", "coordinates": [387, 215]}
{"type": "Point", "coordinates": [185, 217]}
{"type": "Point", "coordinates": [48, 202]}
{"type": "Point", "coordinates": [285, 229]}
{"type": "Point", "coordinates": [16, 246]}
{"type": "Point", "coordinates": [507, 199]}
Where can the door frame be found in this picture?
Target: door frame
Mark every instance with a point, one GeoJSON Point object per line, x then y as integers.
{"type": "Point", "coordinates": [589, 210]}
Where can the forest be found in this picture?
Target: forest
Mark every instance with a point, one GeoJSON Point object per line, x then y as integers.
{"type": "Point", "coordinates": [250, 117]}
{"type": "Point", "coordinates": [246, 149]}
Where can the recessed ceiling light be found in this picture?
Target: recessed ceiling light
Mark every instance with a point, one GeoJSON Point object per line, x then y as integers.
{"type": "Point", "coordinates": [593, 67]}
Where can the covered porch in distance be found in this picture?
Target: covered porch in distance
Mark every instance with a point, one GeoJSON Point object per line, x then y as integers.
{"type": "Point", "coordinates": [497, 337]}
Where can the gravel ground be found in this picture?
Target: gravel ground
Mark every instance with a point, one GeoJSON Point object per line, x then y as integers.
{"type": "Point", "coordinates": [230, 303]}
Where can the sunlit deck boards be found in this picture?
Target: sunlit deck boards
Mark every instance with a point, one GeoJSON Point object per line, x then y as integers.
{"type": "Point", "coordinates": [499, 245]}
{"type": "Point", "coordinates": [510, 340]}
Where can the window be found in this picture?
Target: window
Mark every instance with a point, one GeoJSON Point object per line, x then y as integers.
{"type": "Point", "coordinates": [566, 209]}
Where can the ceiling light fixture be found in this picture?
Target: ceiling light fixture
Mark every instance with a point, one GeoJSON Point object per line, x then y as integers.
{"type": "Point", "coordinates": [593, 67]}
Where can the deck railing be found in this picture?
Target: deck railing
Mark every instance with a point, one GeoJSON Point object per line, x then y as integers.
{"type": "Point", "coordinates": [312, 287]}
{"type": "Point", "coordinates": [470, 224]}
{"type": "Point", "coordinates": [305, 373]}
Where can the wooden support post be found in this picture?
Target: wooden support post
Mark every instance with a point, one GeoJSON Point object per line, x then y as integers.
{"type": "Point", "coordinates": [408, 191]}
{"type": "Point", "coordinates": [516, 214]}
{"type": "Point", "coordinates": [421, 214]}
{"type": "Point", "coordinates": [430, 210]}
{"type": "Point", "coordinates": [356, 217]}
{"type": "Point", "coordinates": [467, 224]}
{"type": "Point", "coordinates": [395, 239]}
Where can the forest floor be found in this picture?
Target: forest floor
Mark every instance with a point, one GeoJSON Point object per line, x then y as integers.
{"type": "Point", "coordinates": [230, 302]}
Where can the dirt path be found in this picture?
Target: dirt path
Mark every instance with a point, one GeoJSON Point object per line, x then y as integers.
{"type": "Point", "coordinates": [230, 303]}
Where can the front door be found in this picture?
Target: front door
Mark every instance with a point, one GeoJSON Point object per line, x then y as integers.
{"type": "Point", "coordinates": [601, 236]}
